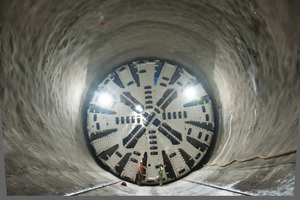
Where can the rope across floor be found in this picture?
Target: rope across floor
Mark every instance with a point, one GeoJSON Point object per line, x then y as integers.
{"type": "Point", "coordinates": [263, 157]}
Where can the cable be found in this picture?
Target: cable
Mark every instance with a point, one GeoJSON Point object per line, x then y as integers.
{"type": "Point", "coordinates": [91, 189]}
{"type": "Point", "coordinates": [263, 157]}
{"type": "Point", "coordinates": [217, 187]}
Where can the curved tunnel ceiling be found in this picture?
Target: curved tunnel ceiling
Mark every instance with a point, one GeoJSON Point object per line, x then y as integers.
{"type": "Point", "coordinates": [54, 54]}
{"type": "Point", "coordinates": [151, 112]}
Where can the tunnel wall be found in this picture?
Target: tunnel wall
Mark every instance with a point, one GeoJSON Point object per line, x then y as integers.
{"type": "Point", "coordinates": [54, 53]}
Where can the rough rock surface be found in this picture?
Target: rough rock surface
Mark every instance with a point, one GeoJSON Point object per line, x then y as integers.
{"type": "Point", "coordinates": [53, 53]}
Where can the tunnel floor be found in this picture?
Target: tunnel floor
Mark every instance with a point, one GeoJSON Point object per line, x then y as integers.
{"type": "Point", "coordinates": [192, 189]}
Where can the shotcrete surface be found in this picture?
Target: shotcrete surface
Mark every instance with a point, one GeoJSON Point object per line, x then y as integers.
{"type": "Point", "coordinates": [54, 53]}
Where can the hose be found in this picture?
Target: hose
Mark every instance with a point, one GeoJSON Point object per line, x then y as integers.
{"type": "Point", "coordinates": [263, 157]}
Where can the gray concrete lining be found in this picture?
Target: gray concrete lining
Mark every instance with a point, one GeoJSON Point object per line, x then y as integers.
{"type": "Point", "coordinates": [53, 53]}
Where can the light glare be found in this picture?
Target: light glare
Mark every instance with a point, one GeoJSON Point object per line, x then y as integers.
{"type": "Point", "coordinates": [105, 100]}
{"type": "Point", "coordinates": [139, 108]}
{"type": "Point", "coordinates": [190, 92]}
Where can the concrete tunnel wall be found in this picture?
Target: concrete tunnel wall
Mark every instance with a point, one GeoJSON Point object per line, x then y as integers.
{"type": "Point", "coordinates": [54, 52]}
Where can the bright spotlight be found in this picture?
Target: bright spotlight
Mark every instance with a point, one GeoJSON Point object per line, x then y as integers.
{"type": "Point", "coordinates": [105, 100]}
{"type": "Point", "coordinates": [139, 108]}
{"type": "Point", "coordinates": [190, 92]}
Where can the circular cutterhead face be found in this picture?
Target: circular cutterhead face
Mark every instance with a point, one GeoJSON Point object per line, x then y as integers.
{"type": "Point", "coordinates": [154, 112]}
